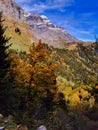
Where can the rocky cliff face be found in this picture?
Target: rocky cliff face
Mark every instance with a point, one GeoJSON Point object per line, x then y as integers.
{"type": "Point", "coordinates": [46, 31]}
{"type": "Point", "coordinates": [11, 10]}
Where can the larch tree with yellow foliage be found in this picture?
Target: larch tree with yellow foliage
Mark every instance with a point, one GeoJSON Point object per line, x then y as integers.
{"type": "Point", "coordinates": [42, 88]}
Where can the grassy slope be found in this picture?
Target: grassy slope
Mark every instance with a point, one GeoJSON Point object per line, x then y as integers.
{"type": "Point", "coordinates": [22, 41]}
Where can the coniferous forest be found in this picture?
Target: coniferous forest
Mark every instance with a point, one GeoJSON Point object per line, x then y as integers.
{"type": "Point", "coordinates": [57, 88]}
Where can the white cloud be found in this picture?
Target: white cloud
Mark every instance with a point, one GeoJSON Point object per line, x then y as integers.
{"type": "Point", "coordinates": [75, 26]}
{"type": "Point", "coordinates": [39, 7]}
{"type": "Point", "coordinates": [23, 1]}
{"type": "Point", "coordinates": [79, 32]}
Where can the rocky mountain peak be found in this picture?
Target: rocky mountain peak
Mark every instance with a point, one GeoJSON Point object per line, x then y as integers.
{"type": "Point", "coordinates": [47, 32]}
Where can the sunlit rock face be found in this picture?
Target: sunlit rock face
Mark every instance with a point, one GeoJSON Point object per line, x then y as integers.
{"type": "Point", "coordinates": [11, 10]}
{"type": "Point", "coordinates": [48, 32]}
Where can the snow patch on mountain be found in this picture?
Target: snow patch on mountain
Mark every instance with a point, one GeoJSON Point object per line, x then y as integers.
{"type": "Point", "coordinates": [43, 17]}
{"type": "Point", "coordinates": [26, 14]}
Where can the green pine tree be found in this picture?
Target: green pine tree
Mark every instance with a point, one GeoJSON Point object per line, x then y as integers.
{"type": "Point", "coordinates": [4, 61]}
{"type": "Point", "coordinates": [4, 65]}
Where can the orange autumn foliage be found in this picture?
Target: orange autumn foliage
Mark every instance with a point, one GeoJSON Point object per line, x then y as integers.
{"type": "Point", "coordinates": [35, 78]}
{"type": "Point", "coordinates": [44, 78]}
{"type": "Point", "coordinates": [20, 70]}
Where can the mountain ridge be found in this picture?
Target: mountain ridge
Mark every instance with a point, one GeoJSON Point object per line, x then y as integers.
{"type": "Point", "coordinates": [48, 32]}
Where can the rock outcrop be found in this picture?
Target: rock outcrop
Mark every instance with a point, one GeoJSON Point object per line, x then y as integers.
{"type": "Point", "coordinates": [11, 10]}
{"type": "Point", "coordinates": [42, 127]}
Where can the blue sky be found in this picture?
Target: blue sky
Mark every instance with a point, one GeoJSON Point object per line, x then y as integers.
{"type": "Point", "coordinates": [78, 17]}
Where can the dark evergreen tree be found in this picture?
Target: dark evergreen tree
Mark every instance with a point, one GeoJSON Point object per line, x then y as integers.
{"type": "Point", "coordinates": [4, 61]}
{"type": "Point", "coordinates": [4, 65]}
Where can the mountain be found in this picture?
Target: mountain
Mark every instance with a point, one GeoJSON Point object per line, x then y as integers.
{"type": "Point", "coordinates": [39, 25]}
{"type": "Point", "coordinates": [46, 31]}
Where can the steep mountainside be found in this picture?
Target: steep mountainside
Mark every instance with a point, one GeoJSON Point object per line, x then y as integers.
{"type": "Point", "coordinates": [17, 28]}
{"type": "Point", "coordinates": [20, 33]}
{"type": "Point", "coordinates": [78, 66]}
{"type": "Point", "coordinates": [41, 28]}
